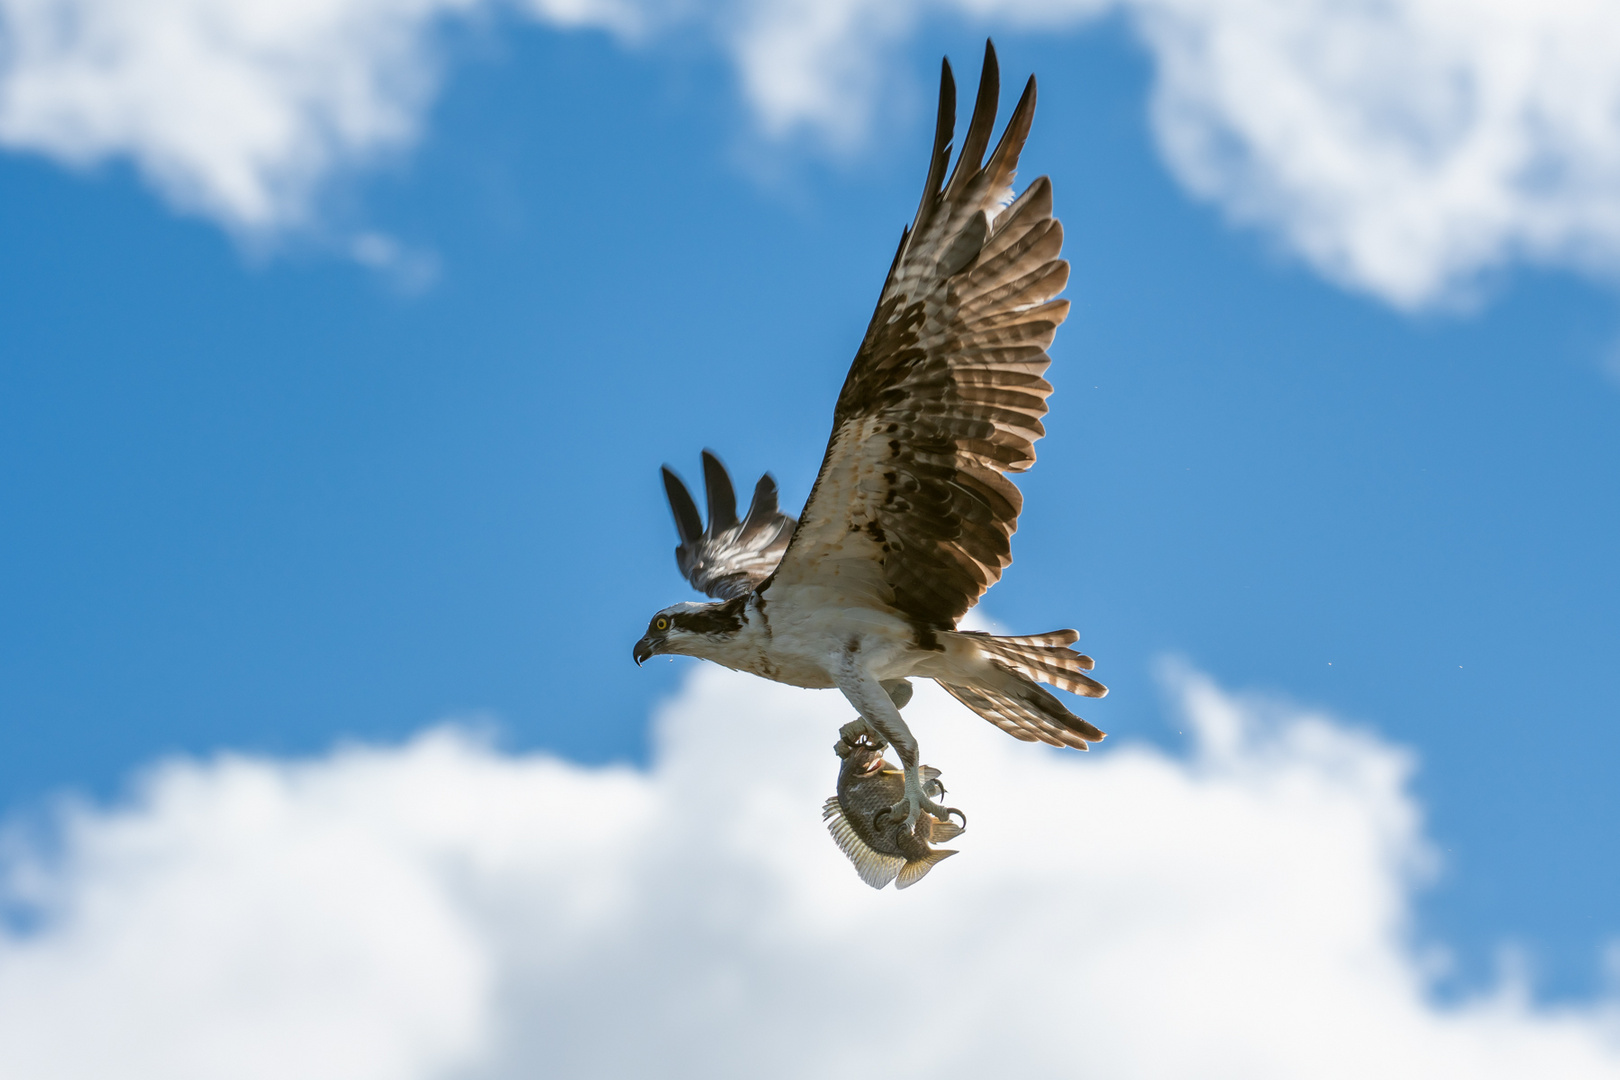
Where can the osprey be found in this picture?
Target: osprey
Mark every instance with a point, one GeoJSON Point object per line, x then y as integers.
{"type": "Point", "coordinates": [911, 515]}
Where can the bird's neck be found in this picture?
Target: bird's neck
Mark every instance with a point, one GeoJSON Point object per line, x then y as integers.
{"type": "Point", "coordinates": [733, 635]}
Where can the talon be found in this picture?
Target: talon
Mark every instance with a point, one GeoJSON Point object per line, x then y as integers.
{"type": "Point", "coordinates": [914, 815]}
{"type": "Point", "coordinates": [904, 807]}
{"type": "Point", "coordinates": [859, 731]}
{"type": "Point", "coordinates": [949, 810]}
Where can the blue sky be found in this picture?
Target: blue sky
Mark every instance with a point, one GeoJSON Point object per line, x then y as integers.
{"type": "Point", "coordinates": [261, 497]}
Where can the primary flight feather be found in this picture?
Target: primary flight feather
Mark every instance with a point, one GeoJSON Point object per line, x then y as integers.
{"type": "Point", "coordinates": [911, 516]}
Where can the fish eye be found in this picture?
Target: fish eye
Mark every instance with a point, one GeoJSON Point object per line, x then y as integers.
{"type": "Point", "coordinates": [660, 623]}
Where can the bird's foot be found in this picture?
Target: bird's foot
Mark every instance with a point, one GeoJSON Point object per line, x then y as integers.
{"type": "Point", "coordinates": [858, 733]}
{"type": "Point", "coordinates": [916, 802]}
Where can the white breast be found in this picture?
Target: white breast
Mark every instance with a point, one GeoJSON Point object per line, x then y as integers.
{"type": "Point", "coordinates": [802, 644]}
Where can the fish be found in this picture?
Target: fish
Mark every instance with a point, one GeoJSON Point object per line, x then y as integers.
{"type": "Point", "coordinates": [878, 843]}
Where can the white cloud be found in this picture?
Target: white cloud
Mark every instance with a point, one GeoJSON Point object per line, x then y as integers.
{"type": "Point", "coordinates": [821, 65]}
{"type": "Point", "coordinates": [443, 909]}
{"type": "Point", "coordinates": [1401, 147]}
{"type": "Point", "coordinates": [410, 270]}
{"type": "Point", "coordinates": [238, 110]}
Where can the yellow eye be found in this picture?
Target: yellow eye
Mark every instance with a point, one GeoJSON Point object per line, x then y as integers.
{"type": "Point", "coordinates": [661, 624]}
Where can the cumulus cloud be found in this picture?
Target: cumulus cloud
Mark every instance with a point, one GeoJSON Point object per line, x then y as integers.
{"type": "Point", "coordinates": [443, 909]}
{"type": "Point", "coordinates": [1401, 147]}
{"type": "Point", "coordinates": [237, 110]}
{"type": "Point", "coordinates": [821, 65]}
{"type": "Point", "coordinates": [1404, 148]}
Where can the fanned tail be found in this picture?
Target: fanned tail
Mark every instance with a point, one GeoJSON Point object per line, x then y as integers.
{"type": "Point", "coordinates": [1045, 658]}
{"type": "Point", "coordinates": [1010, 697]}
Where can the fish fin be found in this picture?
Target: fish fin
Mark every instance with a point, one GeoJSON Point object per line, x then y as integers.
{"type": "Point", "coordinates": [876, 869]}
{"type": "Point", "coordinates": [914, 872]}
{"type": "Point", "coordinates": [930, 773]}
{"type": "Point", "coordinates": [943, 831]}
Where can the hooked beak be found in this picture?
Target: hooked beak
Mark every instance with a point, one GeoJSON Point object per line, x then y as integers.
{"type": "Point", "coordinates": [643, 651]}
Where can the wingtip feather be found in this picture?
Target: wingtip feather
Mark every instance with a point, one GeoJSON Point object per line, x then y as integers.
{"type": "Point", "coordinates": [722, 496]}
{"type": "Point", "coordinates": [1004, 159]}
{"type": "Point", "coordinates": [944, 127]}
{"type": "Point", "coordinates": [763, 506]}
{"type": "Point", "coordinates": [688, 523]}
{"type": "Point", "coordinates": [982, 124]}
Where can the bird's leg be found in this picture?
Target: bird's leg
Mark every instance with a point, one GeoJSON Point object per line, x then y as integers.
{"type": "Point", "coordinates": [877, 708]}
{"type": "Point", "coordinates": [915, 802]}
{"type": "Point", "coordinates": [899, 691]}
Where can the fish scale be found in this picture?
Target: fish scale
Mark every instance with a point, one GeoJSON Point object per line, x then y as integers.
{"type": "Point", "coordinates": [868, 786]}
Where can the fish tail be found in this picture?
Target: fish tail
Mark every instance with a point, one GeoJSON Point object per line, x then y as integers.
{"type": "Point", "coordinates": [915, 870]}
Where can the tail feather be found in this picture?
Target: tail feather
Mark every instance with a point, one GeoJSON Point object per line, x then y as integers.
{"type": "Point", "coordinates": [1028, 713]}
{"type": "Point", "coordinates": [1054, 637]}
{"type": "Point", "coordinates": [1046, 658]}
{"type": "Point", "coordinates": [1010, 699]}
{"type": "Point", "coordinates": [988, 708]}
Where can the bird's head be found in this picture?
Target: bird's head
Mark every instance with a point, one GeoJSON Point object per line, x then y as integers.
{"type": "Point", "coordinates": [686, 629]}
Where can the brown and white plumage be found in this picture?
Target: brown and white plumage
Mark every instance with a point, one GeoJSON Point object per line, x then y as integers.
{"type": "Point", "coordinates": [911, 516]}
{"type": "Point", "coordinates": [946, 393]}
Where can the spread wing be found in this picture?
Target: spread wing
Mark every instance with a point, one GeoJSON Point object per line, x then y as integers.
{"type": "Point", "coordinates": [911, 509]}
{"type": "Point", "coordinates": [730, 557]}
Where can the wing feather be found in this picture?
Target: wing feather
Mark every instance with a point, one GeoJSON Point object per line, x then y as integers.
{"type": "Point", "coordinates": [728, 558]}
{"type": "Point", "coordinates": [911, 509]}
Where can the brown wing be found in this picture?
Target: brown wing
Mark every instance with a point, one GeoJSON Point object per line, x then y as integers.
{"type": "Point", "coordinates": [911, 509]}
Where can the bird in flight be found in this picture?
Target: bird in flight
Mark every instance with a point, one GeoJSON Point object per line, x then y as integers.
{"type": "Point", "coordinates": [911, 516]}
